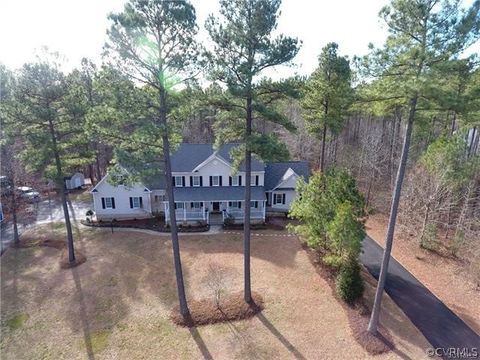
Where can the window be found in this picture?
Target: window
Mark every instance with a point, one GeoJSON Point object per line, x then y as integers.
{"type": "Point", "coordinates": [235, 204]}
{"type": "Point", "coordinates": [254, 204]}
{"type": "Point", "coordinates": [235, 180]}
{"type": "Point", "coordinates": [159, 198]}
{"type": "Point", "coordinates": [195, 180]}
{"type": "Point", "coordinates": [278, 198]}
{"type": "Point", "coordinates": [178, 181]}
{"type": "Point", "coordinates": [196, 205]}
{"type": "Point", "coordinates": [108, 203]}
{"type": "Point", "coordinates": [254, 180]}
{"type": "Point", "coordinates": [179, 205]}
{"type": "Point", "coordinates": [215, 180]}
{"type": "Point", "coordinates": [135, 202]}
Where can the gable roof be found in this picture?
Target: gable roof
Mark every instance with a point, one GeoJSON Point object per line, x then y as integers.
{"type": "Point", "coordinates": [274, 172]}
{"type": "Point", "coordinates": [188, 156]}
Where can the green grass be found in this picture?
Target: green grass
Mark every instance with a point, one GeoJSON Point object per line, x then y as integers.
{"type": "Point", "coordinates": [84, 197]}
{"type": "Point", "coordinates": [17, 321]}
{"type": "Point", "coordinates": [99, 340]}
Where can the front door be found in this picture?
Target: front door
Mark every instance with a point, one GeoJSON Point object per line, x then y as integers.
{"type": "Point", "coordinates": [216, 206]}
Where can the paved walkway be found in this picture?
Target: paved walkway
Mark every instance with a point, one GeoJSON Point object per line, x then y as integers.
{"type": "Point", "coordinates": [440, 325]}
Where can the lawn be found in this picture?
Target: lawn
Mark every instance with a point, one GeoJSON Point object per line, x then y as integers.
{"type": "Point", "coordinates": [117, 304]}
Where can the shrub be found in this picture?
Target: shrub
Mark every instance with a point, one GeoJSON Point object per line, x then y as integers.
{"type": "Point", "coordinates": [349, 283]}
{"type": "Point", "coordinates": [229, 220]}
{"type": "Point", "coordinates": [89, 213]}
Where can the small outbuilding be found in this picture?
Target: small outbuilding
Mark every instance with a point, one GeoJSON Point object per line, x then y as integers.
{"type": "Point", "coordinates": [76, 181]}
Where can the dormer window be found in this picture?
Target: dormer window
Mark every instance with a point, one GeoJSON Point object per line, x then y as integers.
{"type": "Point", "coordinates": [254, 180]}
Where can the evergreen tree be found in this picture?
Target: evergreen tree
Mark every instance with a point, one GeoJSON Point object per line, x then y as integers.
{"type": "Point", "coordinates": [153, 42]}
{"type": "Point", "coordinates": [52, 132]}
{"type": "Point", "coordinates": [423, 35]}
{"type": "Point", "coordinates": [244, 47]}
{"type": "Point", "coordinates": [328, 95]}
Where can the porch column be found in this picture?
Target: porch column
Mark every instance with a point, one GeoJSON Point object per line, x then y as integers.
{"type": "Point", "coordinates": [203, 210]}
{"type": "Point", "coordinates": [165, 205]}
{"type": "Point", "coordinates": [264, 207]}
{"type": "Point", "coordinates": [184, 211]}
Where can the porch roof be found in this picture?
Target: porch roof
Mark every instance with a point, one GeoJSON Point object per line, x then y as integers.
{"type": "Point", "coordinates": [217, 193]}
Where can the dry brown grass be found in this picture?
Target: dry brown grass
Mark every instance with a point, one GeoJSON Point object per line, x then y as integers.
{"type": "Point", "coordinates": [117, 304]}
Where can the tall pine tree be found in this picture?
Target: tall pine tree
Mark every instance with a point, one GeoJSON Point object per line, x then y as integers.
{"type": "Point", "coordinates": [423, 35]}
{"type": "Point", "coordinates": [244, 47]}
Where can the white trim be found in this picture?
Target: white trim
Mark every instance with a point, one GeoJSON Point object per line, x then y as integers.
{"type": "Point", "coordinates": [285, 180]}
{"type": "Point", "coordinates": [193, 180]}
{"type": "Point", "coordinates": [209, 159]}
{"type": "Point", "coordinates": [111, 202]}
{"type": "Point", "coordinates": [181, 180]}
{"type": "Point", "coordinates": [105, 177]}
{"type": "Point", "coordinates": [217, 176]}
{"type": "Point", "coordinates": [235, 177]}
{"type": "Point", "coordinates": [133, 202]}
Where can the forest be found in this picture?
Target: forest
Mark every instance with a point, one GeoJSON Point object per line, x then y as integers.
{"type": "Point", "coordinates": [403, 121]}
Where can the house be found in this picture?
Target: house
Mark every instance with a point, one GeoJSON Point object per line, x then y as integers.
{"type": "Point", "coordinates": [206, 188]}
{"type": "Point", "coordinates": [75, 181]}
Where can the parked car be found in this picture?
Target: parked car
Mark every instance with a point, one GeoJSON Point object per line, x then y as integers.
{"type": "Point", "coordinates": [28, 193]}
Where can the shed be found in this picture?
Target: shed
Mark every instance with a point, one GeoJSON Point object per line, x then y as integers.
{"type": "Point", "coordinates": [75, 181]}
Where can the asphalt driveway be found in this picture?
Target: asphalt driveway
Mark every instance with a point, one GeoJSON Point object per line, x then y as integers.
{"type": "Point", "coordinates": [440, 325]}
{"type": "Point", "coordinates": [45, 211]}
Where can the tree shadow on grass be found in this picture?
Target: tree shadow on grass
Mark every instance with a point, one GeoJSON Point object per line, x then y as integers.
{"type": "Point", "coordinates": [200, 343]}
{"type": "Point", "coordinates": [288, 345]}
{"type": "Point", "coordinates": [83, 314]}
{"type": "Point", "coordinates": [276, 248]}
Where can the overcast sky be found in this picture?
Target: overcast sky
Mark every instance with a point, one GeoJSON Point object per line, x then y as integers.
{"type": "Point", "coordinates": [77, 28]}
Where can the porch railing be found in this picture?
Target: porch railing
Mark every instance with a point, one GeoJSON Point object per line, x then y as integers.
{"type": "Point", "coordinates": [239, 214]}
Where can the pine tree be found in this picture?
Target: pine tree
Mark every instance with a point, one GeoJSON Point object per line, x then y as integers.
{"type": "Point", "coordinates": [328, 95]}
{"type": "Point", "coordinates": [423, 35]}
{"type": "Point", "coordinates": [154, 43]}
{"type": "Point", "coordinates": [243, 48]}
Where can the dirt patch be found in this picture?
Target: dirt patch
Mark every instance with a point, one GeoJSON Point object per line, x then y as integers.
{"type": "Point", "coordinates": [358, 313]}
{"type": "Point", "coordinates": [79, 259]}
{"type": "Point", "coordinates": [31, 242]}
{"type": "Point", "coordinates": [28, 242]}
{"type": "Point", "coordinates": [229, 308]}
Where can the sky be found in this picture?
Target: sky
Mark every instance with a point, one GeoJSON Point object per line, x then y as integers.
{"type": "Point", "coordinates": [77, 28]}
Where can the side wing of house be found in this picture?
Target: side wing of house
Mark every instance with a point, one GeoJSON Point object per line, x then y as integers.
{"type": "Point", "coordinates": [281, 180]}
{"type": "Point", "coordinates": [121, 202]}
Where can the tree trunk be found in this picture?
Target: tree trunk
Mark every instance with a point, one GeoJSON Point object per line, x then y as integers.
{"type": "Point", "coordinates": [97, 165]}
{"type": "Point", "coordinates": [324, 138]}
{"type": "Point", "coordinates": [16, 238]}
{"type": "Point", "coordinates": [246, 221]}
{"type": "Point", "coordinates": [171, 205]}
{"type": "Point", "coordinates": [61, 185]}
{"type": "Point", "coordinates": [373, 324]}
{"type": "Point", "coordinates": [452, 129]}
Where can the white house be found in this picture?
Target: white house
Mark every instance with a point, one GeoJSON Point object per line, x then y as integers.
{"type": "Point", "coordinates": [206, 188]}
{"type": "Point", "coordinates": [75, 181]}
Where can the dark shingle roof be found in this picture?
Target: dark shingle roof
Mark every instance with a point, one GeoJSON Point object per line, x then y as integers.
{"type": "Point", "coordinates": [217, 193]}
{"type": "Point", "coordinates": [275, 171]}
{"type": "Point", "coordinates": [188, 156]}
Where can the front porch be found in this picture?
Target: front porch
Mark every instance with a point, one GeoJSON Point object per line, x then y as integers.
{"type": "Point", "coordinates": [194, 211]}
